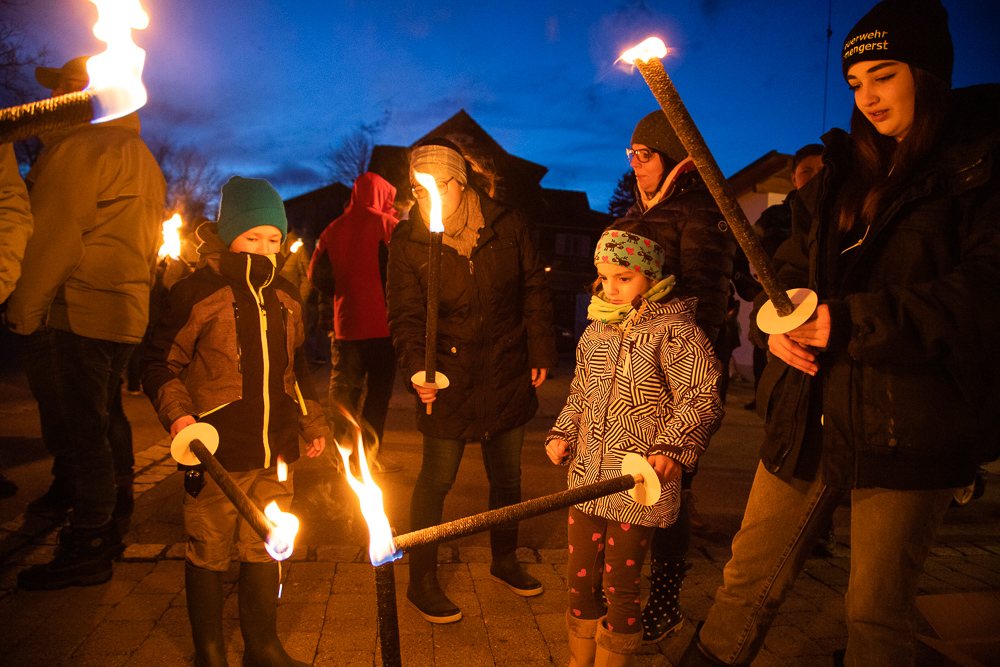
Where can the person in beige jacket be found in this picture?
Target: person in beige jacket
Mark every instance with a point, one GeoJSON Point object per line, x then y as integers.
{"type": "Point", "coordinates": [97, 197]}
{"type": "Point", "coordinates": [15, 230]}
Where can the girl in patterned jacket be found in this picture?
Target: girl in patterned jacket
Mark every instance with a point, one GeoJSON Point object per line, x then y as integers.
{"type": "Point", "coordinates": [647, 383]}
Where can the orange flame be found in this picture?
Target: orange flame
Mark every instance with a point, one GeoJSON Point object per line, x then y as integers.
{"type": "Point", "coordinates": [116, 74]}
{"type": "Point", "coordinates": [381, 546]}
{"type": "Point", "coordinates": [171, 237]}
{"type": "Point", "coordinates": [282, 471]}
{"type": "Point", "coordinates": [428, 183]}
{"type": "Point", "coordinates": [647, 50]}
{"type": "Point", "coordinates": [281, 542]}
{"type": "Point", "coordinates": [295, 247]}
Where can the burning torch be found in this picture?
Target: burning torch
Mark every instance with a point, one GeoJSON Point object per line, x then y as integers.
{"type": "Point", "coordinates": [430, 377]}
{"type": "Point", "coordinates": [115, 88]}
{"type": "Point", "coordinates": [785, 310]}
{"type": "Point", "coordinates": [198, 443]}
{"type": "Point", "coordinates": [638, 478]}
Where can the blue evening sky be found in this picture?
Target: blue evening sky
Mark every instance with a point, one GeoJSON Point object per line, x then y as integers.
{"type": "Point", "coordinates": [266, 87]}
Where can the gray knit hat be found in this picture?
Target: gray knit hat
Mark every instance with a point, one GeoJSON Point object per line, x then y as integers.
{"type": "Point", "coordinates": [655, 131]}
{"type": "Point", "coordinates": [914, 32]}
{"type": "Point", "coordinates": [248, 203]}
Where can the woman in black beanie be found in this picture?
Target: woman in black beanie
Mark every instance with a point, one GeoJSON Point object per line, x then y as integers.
{"type": "Point", "coordinates": [887, 393]}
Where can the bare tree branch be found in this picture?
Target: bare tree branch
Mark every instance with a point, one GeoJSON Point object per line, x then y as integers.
{"type": "Point", "coordinates": [18, 59]}
{"type": "Point", "coordinates": [193, 182]}
{"type": "Point", "coordinates": [349, 159]}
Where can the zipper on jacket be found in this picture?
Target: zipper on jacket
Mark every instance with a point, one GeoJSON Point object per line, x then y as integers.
{"type": "Point", "coordinates": [239, 350]}
{"type": "Point", "coordinates": [302, 401]}
{"type": "Point", "coordinates": [258, 296]}
{"type": "Point", "coordinates": [471, 272]}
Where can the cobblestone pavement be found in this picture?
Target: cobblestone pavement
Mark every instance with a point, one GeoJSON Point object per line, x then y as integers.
{"type": "Point", "coordinates": [327, 613]}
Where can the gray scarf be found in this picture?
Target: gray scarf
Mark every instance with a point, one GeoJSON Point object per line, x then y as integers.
{"type": "Point", "coordinates": [461, 228]}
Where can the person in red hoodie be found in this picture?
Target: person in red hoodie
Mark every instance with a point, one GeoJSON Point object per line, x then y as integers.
{"type": "Point", "coordinates": [345, 267]}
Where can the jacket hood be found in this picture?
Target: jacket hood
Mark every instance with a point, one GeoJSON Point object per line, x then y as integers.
{"type": "Point", "coordinates": [212, 248]}
{"type": "Point", "coordinates": [373, 192]}
{"type": "Point", "coordinates": [973, 125]}
{"type": "Point", "coordinates": [129, 122]}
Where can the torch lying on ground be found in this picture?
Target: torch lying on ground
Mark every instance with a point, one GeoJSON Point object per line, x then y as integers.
{"type": "Point", "coordinates": [115, 88]}
{"type": "Point", "coordinates": [638, 477]}
{"type": "Point", "coordinates": [785, 310]}
{"type": "Point", "coordinates": [196, 444]}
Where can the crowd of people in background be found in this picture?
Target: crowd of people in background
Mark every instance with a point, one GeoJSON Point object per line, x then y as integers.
{"type": "Point", "coordinates": [882, 396]}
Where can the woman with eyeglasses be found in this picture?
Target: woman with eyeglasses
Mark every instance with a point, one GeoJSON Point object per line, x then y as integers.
{"type": "Point", "coordinates": [698, 251]}
{"type": "Point", "coordinates": [495, 343]}
{"type": "Point", "coordinates": [889, 393]}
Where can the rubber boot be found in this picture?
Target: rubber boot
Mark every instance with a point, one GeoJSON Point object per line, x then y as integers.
{"type": "Point", "coordinates": [204, 602]}
{"type": "Point", "coordinates": [662, 613]}
{"type": "Point", "coordinates": [258, 596]}
{"type": "Point", "coordinates": [614, 649]}
{"type": "Point", "coordinates": [424, 592]}
{"type": "Point", "coordinates": [506, 569]}
{"type": "Point", "coordinates": [582, 645]}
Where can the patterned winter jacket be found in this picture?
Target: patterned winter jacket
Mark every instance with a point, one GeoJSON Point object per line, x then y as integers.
{"type": "Point", "coordinates": [648, 385]}
{"type": "Point", "coordinates": [205, 358]}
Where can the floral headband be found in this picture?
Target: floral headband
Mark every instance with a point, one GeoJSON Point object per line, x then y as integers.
{"type": "Point", "coordinates": [632, 251]}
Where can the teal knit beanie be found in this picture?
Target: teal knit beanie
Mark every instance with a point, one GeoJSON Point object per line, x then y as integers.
{"type": "Point", "coordinates": [248, 203]}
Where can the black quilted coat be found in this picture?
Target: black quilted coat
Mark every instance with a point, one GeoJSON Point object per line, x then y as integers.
{"type": "Point", "coordinates": [494, 323]}
{"type": "Point", "coordinates": [906, 396]}
{"type": "Point", "coordinates": [699, 247]}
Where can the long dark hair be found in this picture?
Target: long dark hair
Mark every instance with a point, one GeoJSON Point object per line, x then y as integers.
{"type": "Point", "coordinates": [478, 169]}
{"type": "Point", "coordinates": [884, 162]}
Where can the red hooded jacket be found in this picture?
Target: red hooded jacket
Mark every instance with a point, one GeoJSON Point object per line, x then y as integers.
{"type": "Point", "coordinates": [346, 255]}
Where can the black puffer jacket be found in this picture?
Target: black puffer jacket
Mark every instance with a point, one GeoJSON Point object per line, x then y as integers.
{"type": "Point", "coordinates": [699, 247]}
{"type": "Point", "coordinates": [907, 386]}
{"type": "Point", "coordinates": [494, 323]}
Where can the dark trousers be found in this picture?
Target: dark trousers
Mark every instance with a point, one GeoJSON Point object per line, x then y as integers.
{"type": "Point", "coordinates": [358, 364]}
{"type": "Point", "coordinates": [439, 468]}
{"type": "Point", "coordinates": [77, 383]}
{"type": "Point", "coordinates": [606, 554]}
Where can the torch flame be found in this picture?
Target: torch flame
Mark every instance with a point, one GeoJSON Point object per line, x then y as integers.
{"type": "Point", "coordinates": [282, 471]}
{"type": "Point", "coordinates": [281, 541]}
{"type": "Point", "coordinates": [428, 183]}
{"type": "Point", "coordinates": [651, 48]}
{"type": "Point", "coordinates": [116, 74]}
{"type": "Point", "coordinates": [295, 246]}
{"type": "Point", "coordinates": [171, 237]}
{"type": "Point", "coordinates": [381, 547]}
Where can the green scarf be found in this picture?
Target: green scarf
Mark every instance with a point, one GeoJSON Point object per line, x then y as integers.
{"type": "Point", "coordinates": [611, 313]}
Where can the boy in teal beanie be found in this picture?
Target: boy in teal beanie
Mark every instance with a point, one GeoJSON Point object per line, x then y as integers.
{"type": "Point", "coordinates": [227, 351]}
{"type": "Point", "coordinates": [248, 203]}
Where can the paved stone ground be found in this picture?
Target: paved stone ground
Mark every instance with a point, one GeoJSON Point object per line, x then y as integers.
{"type": "Point", "coordinates": [327, 613]}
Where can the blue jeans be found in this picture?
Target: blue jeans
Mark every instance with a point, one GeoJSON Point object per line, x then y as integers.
{"type": "Point", "coordinates": [502, 458]}
{"type": "Point", "coordinates": [891, 533]}
{"type": "Point", "coordinates": [77, 383]}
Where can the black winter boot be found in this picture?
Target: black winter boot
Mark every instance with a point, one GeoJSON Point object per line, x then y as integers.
{"type": "Point", "coordinates": [424, 592]}
{"type": "Point", "coordinates": [204, 603]}
{"type": "Point", "coordinates": [662, 614]}
{"type": "Point", "coordinates": [258, 601]}
{"type": "Point", "coordinates": [506, 569]}
{"type": "Point", "coordinates": [55, 503]}
{"type": "Point", "coordinates": [83, 558]}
